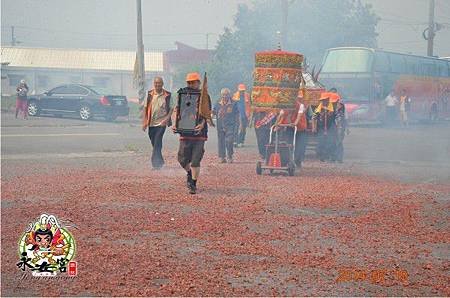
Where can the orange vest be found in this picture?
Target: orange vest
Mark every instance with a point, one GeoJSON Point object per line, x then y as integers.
{"type": "Point", "coordinates": [291, 115]}
{"type": "Point", "coordinates": [147, 112]}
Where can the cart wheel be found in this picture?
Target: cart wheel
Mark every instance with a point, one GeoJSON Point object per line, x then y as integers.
{"type": "Point", "coordinates": [258, 168]}
{"type": "Point", "coordinates": [291, 169]}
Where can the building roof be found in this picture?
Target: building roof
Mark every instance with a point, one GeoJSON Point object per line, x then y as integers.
{"type": "Point", "coordinates": [78, 59]}
{"type": "Point", "coordinates": [185, 54]}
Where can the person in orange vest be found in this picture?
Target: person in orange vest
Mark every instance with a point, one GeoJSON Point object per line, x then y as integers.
{"type": "Point", "coordinates": [325, 126]}
{"type": "Point", "coordinates": [341, 126]}
{"type": "Point", "coordinates": [156, 117]}
{"type": "Point", "coordinates": [341, 131]}
{"type": "Point", "coordinates": [243, 102]}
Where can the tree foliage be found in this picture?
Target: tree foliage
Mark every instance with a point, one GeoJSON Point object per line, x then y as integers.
{"type": "Point", "coordinates": [313, 26]}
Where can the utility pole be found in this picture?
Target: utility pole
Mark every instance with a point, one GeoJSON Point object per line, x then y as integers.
{"type": "Point", "coordinates": [431, 28]}
{"type": "Point", "coordinates": [207, 39]}
{"type": "Point", "coordinates": [284, 19]}
{"type": "Point", "coordinates": [13, 37]}
{"type": "Point", "coordinates": [140, 54]}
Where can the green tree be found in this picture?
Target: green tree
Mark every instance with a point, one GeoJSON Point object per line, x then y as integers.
{"type": "Point", "coordinates": [313, 26]}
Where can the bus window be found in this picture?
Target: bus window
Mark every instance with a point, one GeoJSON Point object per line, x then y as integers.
{"type": "Point", "coordinates": [350, 89]}
{"type": "Point", "coordinates": [382, 62]}
{"type": "Point", "coordinates": [348, 60]}
{"type": "Point", "coordinates": [397, 63]}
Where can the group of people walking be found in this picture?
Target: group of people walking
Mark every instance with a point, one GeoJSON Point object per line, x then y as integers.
{"type": "Point", "coordinates": [232, 113]}
{"type": "Point", "coordinates": [329, 121]}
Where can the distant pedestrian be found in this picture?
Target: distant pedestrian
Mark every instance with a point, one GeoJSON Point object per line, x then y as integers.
{"type": "Point", "coordinates": [157, 116]}
{"type": "Point", "coordinates": [242, 98]}
{"type": "Point", "coordinates": [391, 107]}
{"type": "Point", "coordinates": [404, 107]}
{"type": "Point", "coordinates": [22, 99]}
{"type": "Point", "coordinates": [227, 114]}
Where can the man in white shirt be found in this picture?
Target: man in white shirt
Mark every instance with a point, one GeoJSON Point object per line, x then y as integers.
{"type": "Point", "coordinates": [391, 107]}
{"type": "Point", "coordinates": [156, 118]}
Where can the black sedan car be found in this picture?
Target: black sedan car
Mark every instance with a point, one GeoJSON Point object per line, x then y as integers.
{"type": "Point", "coordinates": [80, 100]}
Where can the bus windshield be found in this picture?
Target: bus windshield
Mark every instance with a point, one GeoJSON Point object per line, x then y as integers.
{"type": "Point", "coordinates": [350, 89]}
{"type": "Point", "coordinates": [348, 60]}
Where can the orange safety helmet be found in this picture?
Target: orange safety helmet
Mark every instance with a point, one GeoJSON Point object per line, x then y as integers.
{"type": "Point", "coordinates": [241, 87]}
{"type": "Point", "coordinates": [192, 76]}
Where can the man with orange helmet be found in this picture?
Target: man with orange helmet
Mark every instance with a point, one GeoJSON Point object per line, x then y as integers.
{"type": "Point", "coordinates": [192, 144]}
{"type": "Point", "coordinates": [341, 125]}
{"type": "Point", "coordinates": [243, 102]}
{"type": "Point", "coordinates": [325, 126]}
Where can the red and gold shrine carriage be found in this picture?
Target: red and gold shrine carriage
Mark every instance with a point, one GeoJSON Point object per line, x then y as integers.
{"type": "Point", "coordinates": [276, 80]}
{"type": "Point", "coordinates": [276, 85]}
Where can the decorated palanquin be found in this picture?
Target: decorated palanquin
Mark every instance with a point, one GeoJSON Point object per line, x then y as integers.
{"type": "Point", "coordinates": [310, 91]}
{"type": "Point", "coordinates": [276, 80]}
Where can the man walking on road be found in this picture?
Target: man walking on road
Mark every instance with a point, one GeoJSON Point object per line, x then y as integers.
{"type": "Point", "coordinates": [242, 98]}
{"type": "Point", "coordinates": [325, 126]}
{"type": "Point", "coordinates": [157, 116]}
{"type": "Point", "coordinates": [227, 115]}
{"type": "Point", "coordinates": [192, 144]}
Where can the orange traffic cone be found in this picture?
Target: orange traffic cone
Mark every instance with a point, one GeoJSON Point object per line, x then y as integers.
{"type": "Point", "coordinates": [275, 160]}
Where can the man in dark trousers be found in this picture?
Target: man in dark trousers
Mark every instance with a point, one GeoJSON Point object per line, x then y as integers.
{"type": "Point", "coordinates": [263, 122]}
{"type": "Point", "coordinates": [192, 144]}
{"type": "Point", "coordinates": [157, 116]}
{"type": "Point", "coordinates": [227, 114]}
{"type": "Point", "coordinates": [242, 99]}
{"type": "Point", "coordinates": [324, 124]}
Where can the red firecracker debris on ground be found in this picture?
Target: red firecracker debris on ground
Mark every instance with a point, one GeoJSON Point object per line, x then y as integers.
{"type": "Point", "coordinates": [323, 232]}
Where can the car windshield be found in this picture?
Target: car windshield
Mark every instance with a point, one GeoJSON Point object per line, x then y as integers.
{"type": "Point", "coordinates": [101, 90]}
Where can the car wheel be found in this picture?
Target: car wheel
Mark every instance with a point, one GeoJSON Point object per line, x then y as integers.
{"type": "Point", "coordinates": [33, 108]}
{"type": "Point", "coordinates": [85, 112]}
